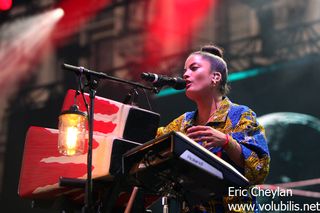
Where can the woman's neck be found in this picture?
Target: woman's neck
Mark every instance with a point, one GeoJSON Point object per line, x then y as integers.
{"type": "Point", "coordinates": [206, 108]}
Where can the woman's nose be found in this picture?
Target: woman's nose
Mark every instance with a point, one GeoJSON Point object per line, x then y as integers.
{"type": "Point", "coordinates": [186, 74]}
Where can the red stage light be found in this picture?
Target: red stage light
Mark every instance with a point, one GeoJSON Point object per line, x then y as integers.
{"type": "Point", "coordinates": [172, 26]}
{"type": "Point", "coordinates": [5, 4]}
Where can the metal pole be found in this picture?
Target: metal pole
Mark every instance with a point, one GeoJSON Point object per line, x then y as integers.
{"type": "Point", "coordinates": [89, 187]}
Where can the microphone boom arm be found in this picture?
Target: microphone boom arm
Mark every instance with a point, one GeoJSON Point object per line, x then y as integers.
{"type": "Point", "coordinates": [101, 75]}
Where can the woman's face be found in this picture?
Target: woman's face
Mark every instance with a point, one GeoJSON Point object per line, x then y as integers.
{"type": "Point", "coordinates": [198, 76]}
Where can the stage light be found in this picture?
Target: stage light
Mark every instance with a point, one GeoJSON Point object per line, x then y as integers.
{"type": "Point", "coordinates": [5, 4]}
{"type": "Point", "coordinates": [72, 131]}
{"type": "Point", "coordinates": [58, 13]}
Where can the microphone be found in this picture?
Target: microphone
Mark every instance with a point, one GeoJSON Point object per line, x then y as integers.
{"type": "Point", "coordinates": [162, 80]}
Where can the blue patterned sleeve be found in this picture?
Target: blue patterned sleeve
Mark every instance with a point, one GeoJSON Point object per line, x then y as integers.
{"type": "Point", "coordinates": [251, 137]}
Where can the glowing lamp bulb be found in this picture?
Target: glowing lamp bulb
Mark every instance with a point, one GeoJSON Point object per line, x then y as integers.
{"type": "Point", "coordinates": [72, 131]}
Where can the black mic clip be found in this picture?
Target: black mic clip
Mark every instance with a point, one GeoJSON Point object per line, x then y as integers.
{"type": "Point", "coordinates": [160, 81]}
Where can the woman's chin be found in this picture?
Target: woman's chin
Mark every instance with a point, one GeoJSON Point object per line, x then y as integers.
{"type": "Point", "coordinates": [191, 94]}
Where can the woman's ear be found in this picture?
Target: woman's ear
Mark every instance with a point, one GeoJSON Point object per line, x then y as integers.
{"type": "Point", "coordinates": [216, 77]}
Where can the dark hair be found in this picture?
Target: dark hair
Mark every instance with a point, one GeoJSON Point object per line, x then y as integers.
{"type": "Point", "coordinates": [215, 56]}
{"type": "Point", "coordinates": [213, 50]}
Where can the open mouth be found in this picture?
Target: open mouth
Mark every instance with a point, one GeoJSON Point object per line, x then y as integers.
{"type": "Point", "coordinates": [188, 84]}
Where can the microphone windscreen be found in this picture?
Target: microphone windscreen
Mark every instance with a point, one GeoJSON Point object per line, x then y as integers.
{"type": "Point", "coordinates": [180, 84]}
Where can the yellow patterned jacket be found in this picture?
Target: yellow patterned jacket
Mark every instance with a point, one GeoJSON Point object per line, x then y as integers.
{"type": "Point", "coordinates": [240, 123]}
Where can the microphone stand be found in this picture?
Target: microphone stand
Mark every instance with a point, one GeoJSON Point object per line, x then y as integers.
{"type": "Point", "coordinates": [93, 78]}
{"type": "Point", "coordinates": [93, 84]}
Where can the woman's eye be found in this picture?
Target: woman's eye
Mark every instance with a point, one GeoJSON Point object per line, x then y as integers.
{"type": "Point", "coordinates": [194, 68]}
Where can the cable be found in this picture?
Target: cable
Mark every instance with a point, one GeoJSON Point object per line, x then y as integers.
{"type": "Point", "coordinates": [145, 93]}
{"type": "Point", "coordinates": [81, 88]}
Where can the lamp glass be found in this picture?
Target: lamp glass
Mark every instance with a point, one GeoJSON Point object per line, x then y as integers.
{"type": "Point", "coordinates": [72, 130]}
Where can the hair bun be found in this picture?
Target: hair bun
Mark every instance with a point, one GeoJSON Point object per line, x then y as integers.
{"type": "Point", "coordinates": [213, 50]}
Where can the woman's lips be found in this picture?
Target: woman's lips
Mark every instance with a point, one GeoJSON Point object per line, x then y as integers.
{"type": "Point", "coordinates": [188, 84]}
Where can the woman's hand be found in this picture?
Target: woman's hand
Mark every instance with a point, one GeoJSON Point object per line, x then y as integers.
{"type": "Point", "coordinates": [209, 136]}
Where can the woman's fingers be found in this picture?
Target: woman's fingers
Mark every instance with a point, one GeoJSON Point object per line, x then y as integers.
{"type": "Point", "coordinates": [197, 128]}
{"type": "Point", "coordinates": [207, 135]}
{"type": "Point", "coordinates": [198, 134]}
